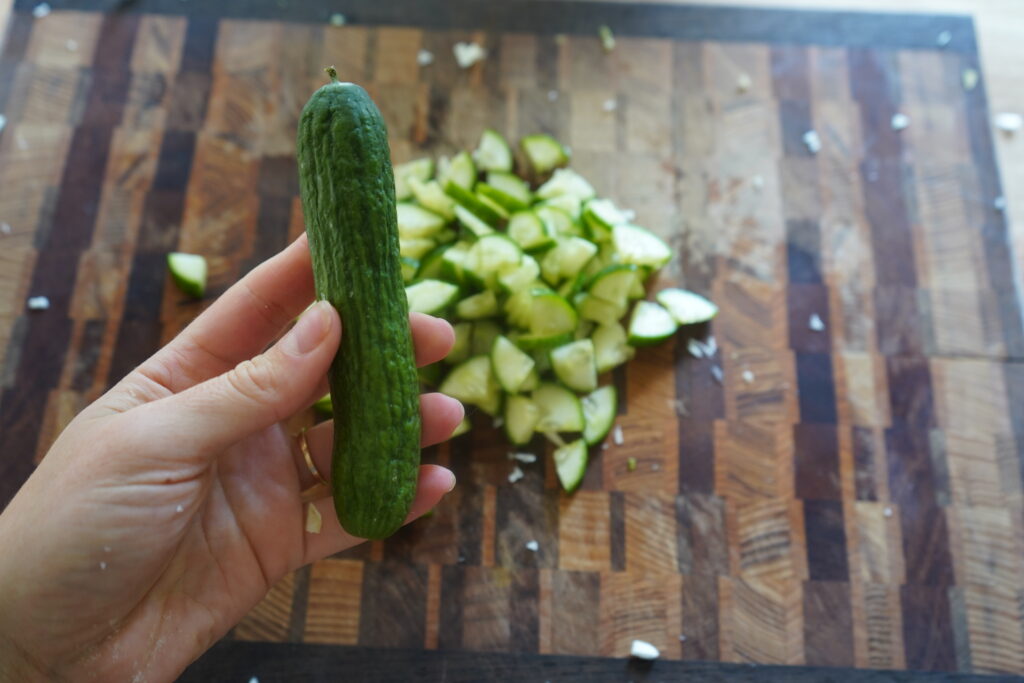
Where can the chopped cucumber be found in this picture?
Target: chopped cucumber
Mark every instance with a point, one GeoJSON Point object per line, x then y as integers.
{"type": "Point", "coordinates": [542, 342]}
{"type": "Point", "coordinates": [511, 365]}
{"type": "Point", "coordinates": [566, 181]}
{"type": "Point", "coordinates": [410, 267]}
{"type": "Point", "coordinates": [418, 169]}
{"type": "Point", "coordinates": [460, 348]}
{"type": "Point", "coordinates": [521, 417]}
{"type": "Point", "coordinates": [601, 216]}
{"type": "Point", "coordinates": [686, 307]}
{"type": "Point", "coordinates": [459, 170]}
{"type": "Point", "coordinates": [570, 204]}
{"type": "Point", "coordinates": [493, 153]}
{"type": "Point", "coordinates": [415, 221]}
{"type": "Point", "coordinates": [494, 206]}
{"type": "Point", "coordinates": [518, 307]}
{"type": "Point", "coordinates": [611, 347]}
{"type": "Point", "coordinates": [324, 405]}
{"type": "Point", "coordinates": [557, 220]}
{"type": "Point", "coordinates": [613, 283]}
{"type": "Point", "coordinates": [560, 409]}
{"type": "Point", "coordinates": [532, 380]}
{"type": "Point", "coordinates": [599, 410]}
{"type": "Point", "coordinates": [594, 308]}
{"type": "Point", "coordinates": [484, 334]}
{"type": "Point", "coordinates": [529, 231]}
{"type": "Point", "coordinates": [463, 427]}
{"type": "Point", "coordinates": [482, 305]}
{"type": "Point", "coordinates": [473, 382]}
{"type": "Point", "coordinates": [470, 201]}
{"type": "Point", "coordinates": [431, 296]}
{"type": "Point", "coordinates": [508, 190]}
{"type": "Point", "coordinates": [432, 197]}
{"type": "Point", "coordinates": [492, 255]}
{"type": "Point", "coordinates": [472, 222]}
{"type": "Point", "coordinates": [640, 246]}
{"type": "Point", "coordinates": [650, 324]}
{"type": "Point", "coordinates": [521, 276]}
{"type": "Point", "coordinates": [432, 265]}
{"type": "Point", "coordinates": [566, 259]}
{"type": "Point", "coordinates": [574, 365]}
{"type": "Point", "coordinates": [453, 262]}
{"type": "Point", "coordinates": [415, 248]}
{"type": "Point", "coordinates": [543, 153]}
{"type": "Point", "coordinates": [571, 464]}
{"type": "Point", "coordinates": [188, 272]}
{"type": "Point", "coordinates": [550, 314]}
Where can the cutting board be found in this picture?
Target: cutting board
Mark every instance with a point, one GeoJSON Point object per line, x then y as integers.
{"type": "Point", "coordinates": [846, 493]}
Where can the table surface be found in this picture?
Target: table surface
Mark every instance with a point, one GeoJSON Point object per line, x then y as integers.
{"type": "Point", "coordinates": [844, 497]}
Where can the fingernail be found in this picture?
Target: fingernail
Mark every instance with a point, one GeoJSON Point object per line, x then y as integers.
{"type": "Point", "coordinates": [451, 482]}
{"type": "Point", "coordinates": [308, 332]}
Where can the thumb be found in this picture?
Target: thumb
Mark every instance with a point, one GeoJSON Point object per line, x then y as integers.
{"type": "Point", "coordinates": [259, 392]}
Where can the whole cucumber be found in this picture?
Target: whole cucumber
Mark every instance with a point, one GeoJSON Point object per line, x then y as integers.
{"type": "Point", "coordinates": [348, 198]}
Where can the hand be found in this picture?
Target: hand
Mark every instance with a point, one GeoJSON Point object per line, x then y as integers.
{"type": "Point", "coordinates": [168, 508]}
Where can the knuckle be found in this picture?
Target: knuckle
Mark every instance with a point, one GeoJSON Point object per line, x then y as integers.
{"type": "Point", "coordinates": [253, 379]}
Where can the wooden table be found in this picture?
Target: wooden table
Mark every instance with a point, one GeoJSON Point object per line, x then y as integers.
{"type": "Point", "coordinates": [850, 496]}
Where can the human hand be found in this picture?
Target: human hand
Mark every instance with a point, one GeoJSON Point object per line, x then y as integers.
{"type": "Point", "coordinates": [168, 507]}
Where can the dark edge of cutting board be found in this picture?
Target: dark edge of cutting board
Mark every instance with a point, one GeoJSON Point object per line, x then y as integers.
{"type": "Point", "coordinates": [690, 22]}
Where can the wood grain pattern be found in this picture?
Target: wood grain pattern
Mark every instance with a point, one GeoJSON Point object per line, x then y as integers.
{"type": "Point", "coordinates": [850, 496]}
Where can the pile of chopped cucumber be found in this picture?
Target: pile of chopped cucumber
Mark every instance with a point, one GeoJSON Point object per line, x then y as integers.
{"type": "Point", "coordinates": [544, 284]}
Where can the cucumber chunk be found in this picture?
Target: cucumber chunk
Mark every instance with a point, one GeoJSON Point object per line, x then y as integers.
{"type": "Point", "coordinates": [188, 272]}
{"type": "Point", "coordinates": [521, 417]}
{"type": "Point", "coordinates": [650, 324]}
{"type": "Point", "coordinates": [482, 305]}
{"type": "Point", "coordinates": [613, 283]}
{"type": "Point", "coordinates": [543, 153]}
{"type": "Point", "coordinates": [611, 347]}
{"type": "Point", "coordinates": [566, 181]}
{"type": "Point", "coordinates": [460, 170]}
{"type": "Point", "coordinates": [529, 231]}
{"type": "Point", "coordinates": [472, 222]}
{"type": "Point", "coordinates": [430, 296]}
{"type": "Point", "coordinates": [560, 409]}
{"type": "Point", "coordinates": [493, 153]}
{"type": "Point", "coordinates": [640, 246]}
{"type": "Point", "coordinates": [431, 196]}
{"type": "Point", "coordinates": [599, 410]}
{"type": "Point", "coordinates": [574, 365]}
{"type": "Point", "coordinates": [473, 382]}
{"type": "Point", "coordinates": [460, 348]}
{"type": "Point", "coordinates": [507, 189]}
{"type": "Point", "coordinates": [550, 314]}
{"type": "Point", "coordinates": [686, 307]}
{"type": "Point", "coordinates": [418, 169]}
{"type": "Point", "coordinates": [571, 464]}
{"type": "Point", "coordinates": [510, 364]}
{"type": "Point", "coordinates": [415, 221]}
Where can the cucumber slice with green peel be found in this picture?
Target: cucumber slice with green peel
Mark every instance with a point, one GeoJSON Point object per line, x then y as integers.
{"type": "Point", "coordinates": [461, 347]}
{"type": "Point", "coordinates": [493, 153]}
{"type": "Point", "coordinates": [568, 203]}
{"type": "Point", "coordinates": [613, 283]}
{"type": "Point", "coordinates": [484, 334]}
{"type": "Point", "coordinates": [571, 287]}
{"type": "Point", "coordinates": [600, 311]}
{"type": "Point", "coordinates": [584, 328]}
{"type": "Point", "coordinates": [466, 199]}
{"type": "Point", "coordinates": [460, 170]}
{"type": "Point", "coordinates": [453, 262]}
{"type": "Point", "coordinates": [521, 276]}
{"type": "Point", "coordinates": [472, 222]}
{"type": "Point", "coordinates": [431, 296]}
{"type": "Point", "coordinates": [473, 382]}
{"type": "Point", "coordinates": [571, 464]}
{"type": "Point", "coordinates": [638, 291]}
{"type": "Point", "coordinates": [560, 409]}
{"type": "Point", "coordinates": [574, 365]}
{"type": "Point", "coordinates": [532, 380]}
{"type": "Point", "coordinates": [542, 342]}
{"type": "Point", "coordinates": [611, 347]}
{"type": "Point", "coordinates": [494, 206]}
{"type": "Point", "coordinates": [566, 181]}
{"type": "Point", "coordinates": [463, 427]}
{"type": "Point", "coordinates": [188, 272]}
{"type": "Point", "coordinates": [431, 196]}
{"type": "Point", "coordinates": [557, 220]}
{"type": "Point", "coordinates": [566, 259]}
{"type": "Point", "coordinates": [543, 153]}
{"type": "Point", "coordinates": [529, 231]}
{"type": "Point", "coordinates": [324, 405]}
{"type": "Point", "coordinates": [410, 267]}
{"type": "Point", "coordinates": [482, 305]}
{"type": "Point", "coordinates": [650, 324]}
{"type": "Point", "coordinates": [599, 411]}
{"type": "Point", "coordinates": [518, 308]}
{"type": "Point", "coordinates": [492, 255]}
{"type": "Point", "coordinates": [600, 216]}
{"type": "Point", "coordinates": [431, 374]}
{"type": "Point", "coordinates": [640, 246]}
{"type": "Point", "coordinates": [510, 364]}
{"type": "Point", "coordinates": [416, 222]}
{"type": "Point", "coordinates": [521, 417]}
{"type": "Point", "coordinates": [447, 236]}
{"type": "Point", "coordinates": [415, 248]}
{"type": "Point", "coordinates": [431, 265]}
{"type": "Point", "coordinates": [507, 189]}
{"type": "Point", "coordinates": [550, 314]}
{"type": "Point", "coordinates": [686, 307]}
{"type": "Point", "coordinates": [418, 169]}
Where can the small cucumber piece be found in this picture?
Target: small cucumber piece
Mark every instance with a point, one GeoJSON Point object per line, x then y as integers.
{"type": "Point", "coordinates": [431, 296]}
{"type": "Point", "coordinates": [542, 342]}
{"type": "Point", "coordinates": [640, 246]}
{"type": "Point", "coordinates": [482, 305]}
{"type": "Point", "coordinates": [543, 153]}
{"type": "Point", "coordinates": [560, 409]}
{"type": "Point", "coordinates": [574, 365]}
{"type": "Point", "coordinates": [557, 220]}
{"type": "Point", "coordinates": [492, 255]}
{"type": "Point", "coordinates": [599, 410]}
{"type": "Point", "coordinates": [460, 170]}
{"type": "Point", "coordinates": [432, 197]}
{"type": "Point", "coordinates": [188, 272]}
{"type": "Point", "coordinates": [473, 382]}
{"type": "Point", "coordinates": [600, 216]}
{"type": "Point", "coordinates": [593, 308]}
{"type": "Point", "coordinates": [650, 324]}
{"type": "Point", "coordinates": [493, 153]}
{"type": "Point", "coordinates": [324, 405]}
{"type": "Point", "coordinates": [611, 347]}
{"type": "Point", "coordinates": [453, 262]}
{"type": "Point", "coordinates": [466, 199]}
{"type": "Point", "coordinates": [532, 380]}
{"type": "Point", "coordinates": [484, 334]}
{"type": "Point", "coordinates": [461, 347]}
{"type": "Point", "coordinates": [418, 169]}
{"type": "Point", "coordinates": [507, 189]}
{"type": "Point", "coordinates": [415, 222]}
{"type": "Point", "coordinates": [566, 181]}
{"type": "Point", "coordinates": [431, 265]}
{"type": "Point", "coordinates": [410, 267]}
{"type": "Point", "coordinates": [613, 283]}
{"type": "Point", "coordinates": [511, 365]}
{"type": "Point", "coordinates": [571, 464]}
{"type": "Point", "coordinates": [494, 206]}
{"type": "Point", "coordinates": [521, 417]}
{"type": "Point", "coordinates": [686, 307]}
{"type": "Point", "coordinates": [519, 277]}
{"type": "Point", "coordinates": [566, 259]}
{"type": "Point", "coordinates": [518, 307]}
{"type": "Point", "coordinates": [529, 231]}
{"type": "Point", "coordinates": [463, 427]}
{"type": "Point", "coordinates": [569, 204]}
{"type": "Point", "coordinates": [550, 314]}
{"type": "Point", "coordinates": [416, 247]}
{"type": "Point", "coordinates": [472, 222]}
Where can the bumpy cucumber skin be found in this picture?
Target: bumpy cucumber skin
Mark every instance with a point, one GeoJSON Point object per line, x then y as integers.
{"type": "Point", "coordinates": [348, 199]}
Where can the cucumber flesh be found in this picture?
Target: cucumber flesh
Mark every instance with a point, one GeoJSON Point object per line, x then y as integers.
{"type": "Point", "coordinates": [493, 153]}
{"type": "Point", "coordinates": [599, 410]}
{"type": "Point", "coordinates": [521, 417]}
{"type": "Point", "coordinates": [550, 314]}
{"type": "Point", "coordinates": [601, 216]}
{"type": "Point", "coordinates": [557, 220]}
{"type": "Point", "coordinates": [188, 272]}
{"type": "Point", "coordinates": [324, 405]}
{"type": "Point", "coordinates": [530, 231]}
{"type": "Point", "coordinates": [460, 348]}
{"type": "Point", "coordinates": [566, 181]}
{"type": "Point", "coordinates": [415, 248]}
{"type": "Point", "coordinates": [640, 246]}
{"type": "Point", "coordinates": [484, 334]}
{"type": "Point", "coordinates": [571, 464]}
{"type": "Point", "coordinates": [460, 170]}
{"type": "Point", "coordinates": [686, 307]}
{"type": "Point", "coordinates": [472, 222]}
{"type": "Point", "coordinates": [543, 153]}
{"type": "Point", "coordinates": [560, 409]}
{"type": "Point", "coordinates": [566, 259]}
{"type": "Point", "coordinates": [598, 310]}
{"type": "Point", "coordinates": [611, 347]}
{"type": "Point", "coordinates": [418, 169]}
{"type": "Point", "coordinates": [470, 201]}
{"type": "Point", "coordinates": [508, 190]}
{"type": "Point", "coordinates": [650, 323]}
{"type": "Point", "coordinates": [491, 255]}
{"type": "Point", "coordinates": [613, 284]}
{"type": "Point", "coordinates": [410, 267]}
{"type": "Point", "coordinates": [463, 427]}
{"type": "Point", "coordinates": [521, 276]}
{"type": "Point", "coordinates": [574, 365]}
{"type": "Point", "coordinates": [415, 221]}
{"type": "Point", "coordinates": [473, 382]}
{"type": "Point", "coordinates": [482, 305]}
{"type": "Point", "coordinates": [510, 364]}
{"type": "Point", "coordinates": [430, 296]}
{"type": "Point", "coordinates": [431, 197]}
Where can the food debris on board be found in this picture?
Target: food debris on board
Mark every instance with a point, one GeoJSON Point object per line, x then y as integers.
{"type": "Point", "coordinates": [816, 323]}
{"type": "Point", "coordinates": [607, 38]}
{"type": "Point", "coordinates": [424, 57]}
{"type": "Point", "coordinates": [41, 10]}
{"type": "Point", "coordinates": [970, 78]}
{"type": "Point", "coordinates": [744, 83]}
{"type": "Point", "coordinates": [3, 122]}
{"type": "Point", "coordinates": [695, 348]}
{"type": "Point", "coordinates": [900, 121]}
{"type": "Point", "coordinates": [757, 182]}
{"type": "Point", "coordinates": [748, 376]}
{"type": "Point", "coordinates": [38, 303]}
{"type": "Point", "coordinates": [1009, 122]}
{"type": "Point", "coordinates": [468, 54]}
{"type": "Point", "coordinates": [944, 39]}
{"type": "Point", "coordinates": [532, 546]}
{"type": "Point", "coordinates": [610, 104]}
{"type": "Point", "coordinates": [337, 19]}
{"type": "Point", "coordinates": [631, 464]}
{"type": "Point", "coordinates": [999, 203]}
{"type": "Point", "coordinates": [716, 372]}
{"type": "Point", "coordinates": [617, 435]}
{"type": "Point", "coordinates": [552, 95]}
{"type": "Point", "coordinates": [641, 649]}
{"type": "Point", "coordinates": [71, 45]}
{"type": "Point", "coordinates": [527, 458]}
{"type": "Point", "coordinates": [812, 141]}
{"type": "Point", "coordinates": [5, 229]}
{"type": "Point", "coordinates": [515, 475]}
{"type": "Point", "coordinates": [314, 520]}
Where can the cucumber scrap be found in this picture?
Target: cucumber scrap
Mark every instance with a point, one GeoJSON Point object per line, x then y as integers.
{"type": "Point", "coordinates": [188, 272]}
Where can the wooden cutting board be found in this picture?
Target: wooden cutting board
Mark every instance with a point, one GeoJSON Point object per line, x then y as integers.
{"type": "Point", "coordinates": [846, 494]}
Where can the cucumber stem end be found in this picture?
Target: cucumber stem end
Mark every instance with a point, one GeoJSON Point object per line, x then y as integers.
{"type": "Point", "coordinates": [333, 73]}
